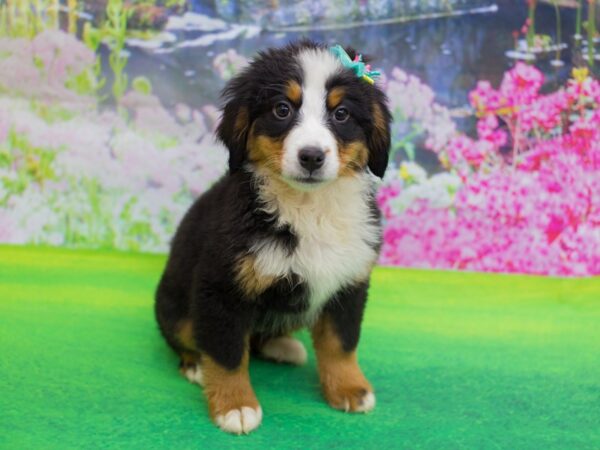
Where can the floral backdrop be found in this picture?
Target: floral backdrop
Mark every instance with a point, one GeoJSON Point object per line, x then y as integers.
{"type": "Point", "coordinates": [91, 156]}
{"type": "Point", "coordinates": [523, 196]}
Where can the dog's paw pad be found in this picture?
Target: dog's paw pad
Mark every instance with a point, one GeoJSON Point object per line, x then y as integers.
{"type": "Point", "coordinates": [284, 349]}
{"type": "Point", "coordinates": [238, 421]}
{"type": "Point", "coordinates": [193, 373]}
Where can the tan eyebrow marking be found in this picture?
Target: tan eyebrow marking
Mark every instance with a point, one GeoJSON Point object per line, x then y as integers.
{"type": "Point", "coordinates": [294, 91]}
{"type": "Point", "coordinates": [335, 97]}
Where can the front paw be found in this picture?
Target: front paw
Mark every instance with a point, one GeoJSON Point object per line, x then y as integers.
{"type": "Point", "coordinates": [241, 420]}
{"type": "Point", "coordinates": [232, 404]}
{"type": "Point", "coordinates": [235, 410]}
{"type": "Point", "coordinates": [350, 398]}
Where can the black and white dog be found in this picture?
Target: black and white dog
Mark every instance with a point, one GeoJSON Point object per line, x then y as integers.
{"type": "Point", "coordinates": [286, 239]}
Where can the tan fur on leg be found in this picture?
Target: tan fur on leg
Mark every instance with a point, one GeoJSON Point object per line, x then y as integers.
{"type": "Point", "coordinates": [344, 385]}
{"type": "Point", "coordinates": [232, 403]}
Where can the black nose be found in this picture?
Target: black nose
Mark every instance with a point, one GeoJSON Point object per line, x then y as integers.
{"type": "Point", "coordinates": [311, 158]}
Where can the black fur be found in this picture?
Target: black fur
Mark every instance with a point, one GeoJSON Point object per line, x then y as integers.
{"type": "Point", "coordinates": [360, 99]}
{"type": "Point", "coordinates": [199, 281]}
{"type": "Point", "coordinates": [256, 88]}
{"type": "Point", "coordinates": [262, 84]}
{"type": "Point", "coordinates": [346, 312]}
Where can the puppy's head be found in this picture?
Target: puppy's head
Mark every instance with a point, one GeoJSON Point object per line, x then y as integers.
{"type": "Point", "coordinates": [299, 114]}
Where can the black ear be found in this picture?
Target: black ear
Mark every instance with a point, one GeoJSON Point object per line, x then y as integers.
{"type": "Point", "coordinates": [235, 124]}
{"type": "Point", "coordinates": [379, 136]}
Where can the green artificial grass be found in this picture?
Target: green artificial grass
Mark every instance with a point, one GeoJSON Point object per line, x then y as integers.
{"type": "Point", "coordinates": [458, 360]}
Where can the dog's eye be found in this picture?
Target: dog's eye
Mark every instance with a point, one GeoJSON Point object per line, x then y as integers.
{"type": "Point", "coordinates": [341, 115]}
{"type": "Point", "coordinates": [282, 110]}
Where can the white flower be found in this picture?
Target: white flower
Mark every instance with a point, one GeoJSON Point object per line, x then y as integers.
{"type": "Point", "coordinates": [438, 190]}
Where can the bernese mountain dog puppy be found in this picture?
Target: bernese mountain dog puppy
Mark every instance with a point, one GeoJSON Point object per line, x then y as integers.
{"type": "Point", "coordinates": [286, 239]}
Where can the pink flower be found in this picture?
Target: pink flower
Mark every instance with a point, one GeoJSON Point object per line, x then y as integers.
{"type": "Point", "coordinates": [521, 84]}
{"type": "Point", "coordinates": [534, 209]}
{"type": "Point", "coordinates": [385, 195]}
{"type": "Point", "coordinates": [484, 98]}
{"type": "Point", "coordinates": [487, 129]}
{"type": "Point", "coordinates": [547, 111]}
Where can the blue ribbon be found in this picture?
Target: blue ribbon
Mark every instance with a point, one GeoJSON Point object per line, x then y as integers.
{"type": "Point", "coordinates": [358, 67]}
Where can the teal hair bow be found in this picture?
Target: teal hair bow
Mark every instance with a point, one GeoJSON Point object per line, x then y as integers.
{"type": "Point", "coordinates": [361, 69]}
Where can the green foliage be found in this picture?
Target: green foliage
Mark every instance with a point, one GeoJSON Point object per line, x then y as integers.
{"type": "Point", "coordinates": [90, 81]}
{"type": "Point", "coordinates": [142, 85]}
{"type": "Point", "coordinates": [406, 144]}
{"type": "Point", "coordinates": [142, 34]}
{"type": "Point", "coordinates": [167, 3]}
{"type": "Point", "coordinates": [3, 19]}
{"type": "Point", "coordinates": [578, 18]}
{"type": "Point", "coordinates": [92, 37]}
{"type": "Point", "coordinates": [90, 220]}
{"type": "Point", "coordinates": [531, 25]}
{"type": "Point", "coordinates": [591, 31]}
{"type": "Point", "coordinates": [26, 164]}
{"type": "Point", "coordinates": [136, 230]}
{"type": "Point", "coordinates": [86, 82]}
{"type": "Point", "coordinates": [115, 32]}
{"type": "Point", "coordinates": [24, 18]}
{"type": "Point", "coordinates": [558, 28]}
{"type": "Point", "coordinates": [87, 221]}
{"type": "Point", "coordinates": [27, 18]}
{"type": "Point", "coordinates": [51, 113]}
{"type": "Point", "coordinates": [164, 142]}
{"type": "Point", "coordinates": [175, 3]}
{"type": "Point", "coordinates": [38, 63]}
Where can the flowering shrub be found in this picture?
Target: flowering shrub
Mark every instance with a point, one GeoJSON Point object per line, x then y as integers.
{"type": "Point", "coordinates": [415, 113]}
{"type": "Point", "coordinates": [72, 175]}
{"type": "Point", "coordinates": [40, 68]}
{"type": "Point", "coordinates": [524, 195]}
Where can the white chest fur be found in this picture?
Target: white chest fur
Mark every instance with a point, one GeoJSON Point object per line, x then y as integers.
{"type": "Point", "coordinates": [335, 231]}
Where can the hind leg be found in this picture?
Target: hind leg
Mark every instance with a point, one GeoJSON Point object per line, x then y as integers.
{"type": "Point", "coordinates": [190, 366]}
{"type": "Point", "coordinates": [177, 331]}
{"type": "Point", "coordinates": [282, 349]}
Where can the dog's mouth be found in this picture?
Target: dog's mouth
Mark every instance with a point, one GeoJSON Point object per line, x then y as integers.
{"type": "Point", "coordinates": [308, 183]}
{"type": "Point", "coordinates": [308, 180]}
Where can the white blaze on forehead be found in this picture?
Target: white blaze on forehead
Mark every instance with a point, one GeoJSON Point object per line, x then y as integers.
{"type": "Point", "coordinates": [318, 66]}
